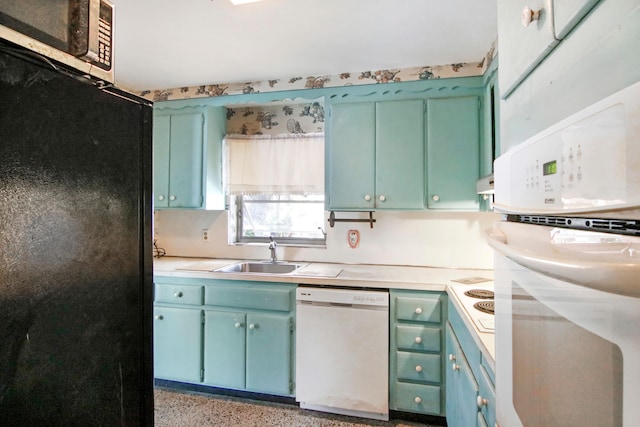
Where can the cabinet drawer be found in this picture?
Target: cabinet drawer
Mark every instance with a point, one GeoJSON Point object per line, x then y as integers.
{"type": "Point", "coordinates": [257, 298]}
{"type": "Point", "coordinates": [418, 338]}
{"type": "Point", "coordinates": [419, 309]}
{"type": "Point", "coordinates": [178, 294]}
{"type": "Point", "coordinates": [418, 367]}
{"type": "Point", "coordinates": [418, 398]}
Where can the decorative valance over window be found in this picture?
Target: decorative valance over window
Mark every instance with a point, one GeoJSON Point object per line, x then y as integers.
{"type": "Point", "coordinates": [274, 164]}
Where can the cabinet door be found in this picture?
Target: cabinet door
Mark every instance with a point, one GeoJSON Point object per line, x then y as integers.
{"type": "Point", "coordinates": [400, 154]}
{"type": "Point", "coordinates": [522, 48]}
{"type": "Point", "coordinates": [453, 158]}
{"type": "Point", "coordinates": [161, 144]}
{"type": "Point", "coordinates": [462, 389]}
{"type": "Point", "coordinates": [185, 165]}
{"type": "Point", "coordinates": [224, 352]}
{"type": "Point", "coordinates": [567, 13]}
{"type": "Point", "coordinates": [351, 156]}
{"type": "Point", "coordinates": [269, 353]}
{"type": "Point", "coordinates": [177, 344]}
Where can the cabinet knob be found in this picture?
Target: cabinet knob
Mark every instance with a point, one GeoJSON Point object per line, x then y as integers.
{"type": "Point", "coordinates": [418, 340]}
{"type": "Point", "coordinates": [455, 367]}
{"type": "Point", "coordinates": [159, 317]}
{"type": "Point", "coordinates": [172, 198]}
{"type": "Point", "coordinates": [252, 326]}
{"type": "Point", "coordinates": [367, 197]}
{"type": "Point", "coordinates": [382, 198]}
{"type": "Point", "coordinates": [161, 197]}
{"type": "Point", "coordinates": [529, 15]}
{"type": "Point", "coordinates": [435, 198]}
{"type": "Point", "coordinates": [418, 400]}
{"type": "Point", "coordinates": [418, 368]}
{"type": "Point", "coordinates": [451, 357]}
{"type": "Point", "coordinates": [177, 294]}
{"type": "Point", "coordinates": [418, 310]}
{"type": "Point", "coordinates": [481, 402]}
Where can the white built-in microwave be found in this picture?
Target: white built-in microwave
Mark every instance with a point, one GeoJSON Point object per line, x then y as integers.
{"type": "Point", "coordinates": [76, 33]}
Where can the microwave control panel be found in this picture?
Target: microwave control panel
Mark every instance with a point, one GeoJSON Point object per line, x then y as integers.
{"type": "Point", "coordinates": [588, 162]}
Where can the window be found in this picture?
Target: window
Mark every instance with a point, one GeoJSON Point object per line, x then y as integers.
{"type": "Point", "coordinates": [276, 188]}
{"type": "Point", "coordinates": [289, 219]}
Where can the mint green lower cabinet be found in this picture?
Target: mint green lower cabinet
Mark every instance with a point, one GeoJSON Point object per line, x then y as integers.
{"type": "Point", "coordinates": [248, 351]}
{"type": "Point", "coordinates": [269, 353]}
{"type": "Point", "coordinates": [462, 389]}
{"type": "Point", "coordinates": [224, 352]}
{"type": "Point", "coordinates": [416, 344]}
{"type": "Point", "coordinates": [177, 337]}
{"type": "Point", "coordinates": [470, 396]}
{"type": "Point", "coordinates": [231, 334]}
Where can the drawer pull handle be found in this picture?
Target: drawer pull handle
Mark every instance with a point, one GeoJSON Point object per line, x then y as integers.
{"type": "Point", "coordinates": [159, 317]}
{"type": "Point", "coordinates": [528, 16]}
{"type": "Point", "coordinates": [418, 400]}
{"type": "Point", "coordinates": [253, 326]}
{"type": "Point", "coordinates": [178, 294]}
{"type": "Point", "coordinates": [451, 357]}
{"type": "Point", "coordinates": [418, 310]}
{"type": "Point", "coordinates": [418, 340]}
{"type": "Point", "coordinates": [455, 367]}
{"type": "Point", "coordinates": [481, 402]}
{"type": "Point", "coordinates": [238, 325]}
{"type": "Point", "coordinates": [418, 368]}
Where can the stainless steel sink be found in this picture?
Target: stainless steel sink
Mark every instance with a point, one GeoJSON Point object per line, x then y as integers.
{"type": "Point", "coordinates": [260, 267]}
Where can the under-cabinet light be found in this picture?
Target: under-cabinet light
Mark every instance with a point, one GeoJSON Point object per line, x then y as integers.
{"type": "Point", "coordinates": [237, 2]}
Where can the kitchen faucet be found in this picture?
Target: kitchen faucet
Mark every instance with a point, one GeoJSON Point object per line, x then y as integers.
{"type": "Point", "coordinates": [272, 248]}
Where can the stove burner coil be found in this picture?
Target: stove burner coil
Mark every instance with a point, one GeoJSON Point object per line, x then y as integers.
{"type": "Point", "coordinates": [479, 293]}
{"type": "Point", "coordinates": [484, 306]}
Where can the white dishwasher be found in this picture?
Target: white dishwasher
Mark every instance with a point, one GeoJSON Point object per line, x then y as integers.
{"type": "Point", "coordinates": [342, 351]}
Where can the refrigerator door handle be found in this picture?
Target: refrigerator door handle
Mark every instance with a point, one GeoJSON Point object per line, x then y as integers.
{"type": "Point", "coordinates": [617, 277]}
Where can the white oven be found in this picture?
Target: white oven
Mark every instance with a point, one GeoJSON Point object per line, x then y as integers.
{"type": "Point", "coordinates": [567, 271]}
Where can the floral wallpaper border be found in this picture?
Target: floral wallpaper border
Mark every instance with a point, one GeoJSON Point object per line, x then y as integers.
{"type": "Point", "coordinates": [314, 82]}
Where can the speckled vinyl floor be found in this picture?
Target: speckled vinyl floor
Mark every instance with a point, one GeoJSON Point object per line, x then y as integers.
{"type": "Point", "coordinates": [185, 409]}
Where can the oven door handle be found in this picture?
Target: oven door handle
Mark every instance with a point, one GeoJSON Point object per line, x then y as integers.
{"type": "Point", "coordinates": [614, 277]}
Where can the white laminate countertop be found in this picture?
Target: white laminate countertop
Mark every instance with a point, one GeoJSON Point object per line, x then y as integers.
{"type": "Point", "coordinates": [353, 275]}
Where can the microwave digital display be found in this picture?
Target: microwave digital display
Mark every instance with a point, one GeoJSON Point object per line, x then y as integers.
{"type": "Point", "coordinates": [550, 168]}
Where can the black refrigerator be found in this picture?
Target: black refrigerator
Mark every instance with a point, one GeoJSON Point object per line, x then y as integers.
{"type": "Point", "coordinates": [75, 249]}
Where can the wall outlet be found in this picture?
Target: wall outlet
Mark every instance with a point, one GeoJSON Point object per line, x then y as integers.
{"type": "Point", "coordinates": [205, 235]}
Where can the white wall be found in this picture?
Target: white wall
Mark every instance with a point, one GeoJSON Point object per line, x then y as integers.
{"type": "Point", "coordinates": [449, 239]}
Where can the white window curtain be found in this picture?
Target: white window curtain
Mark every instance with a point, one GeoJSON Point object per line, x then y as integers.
{"type": "Point", "coordinates": [274, 164]}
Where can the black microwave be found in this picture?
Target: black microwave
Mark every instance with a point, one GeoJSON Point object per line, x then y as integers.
{"type": "Point", "coordinates": [78, 33]}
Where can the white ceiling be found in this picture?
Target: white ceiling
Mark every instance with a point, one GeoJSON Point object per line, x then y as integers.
{"type": "Point", "coordinates": [163, 44]}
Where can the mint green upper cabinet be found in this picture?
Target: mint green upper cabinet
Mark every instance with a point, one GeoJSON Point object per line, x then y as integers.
{"type": "Point", "coordinates": [177, 343]}
{"type": "Point", "coordinates": [376, 156]}
{"type": "Point", "coordinates": [524, 46]}
{"type": "Point", "coordinates": [178, 140]}
{"type": "Point", "coordinates": [567, 13]}
{"type": "Point", "coordinates": [351, 156]}
{"type": "Point", "coordinates": [453, 144]}
{"type": "Point", "coordinates": [400, 154]}
{"type": "Point", "coordinates": [187, 157]}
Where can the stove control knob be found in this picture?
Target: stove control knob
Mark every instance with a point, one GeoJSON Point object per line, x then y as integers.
{"type": "Point", "coordinates": [418, 310]}
{"type": "Point", "coordinates": [418, 340]}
